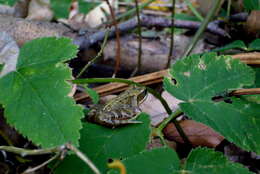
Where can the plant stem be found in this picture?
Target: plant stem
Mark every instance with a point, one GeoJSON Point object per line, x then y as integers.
{"type": "Point", "coordinates": [139, 29]}
{"type": "Point", "coordinates": [114, 22]}
{"type": "Point", "coordinates": [30, 170]}
{"type": "Point", "coordinates": [83, 158]}
{"type": "Point", "coordinates": [96, 57]}
{"type": "Point", "coordinates": [228, 8]}
{"type": "Point", "coordinates": [167, 120]}
{"type": "Point", "coordinates": [172, 35]}
{"type": "Point", "coordinates": [202, 27]}
{"type": "Point", "coordinates": [28, 152]}
{"type": "Point", "coordinates": [194, 11]}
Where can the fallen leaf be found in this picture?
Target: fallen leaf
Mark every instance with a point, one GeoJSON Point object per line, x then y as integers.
{"type": "Point", "coordinates": [40, 10]}
{"type": "Point", "coordinates": [9, 52]}
{"type": "Point", "coordinates": [154, 108]}
{"type": "Point", "coordinates": [198, 134]}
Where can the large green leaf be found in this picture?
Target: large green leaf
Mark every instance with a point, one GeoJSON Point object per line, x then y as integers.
{"type": "Point", "coordinates": [35, 96]}
{"type": "Point", "coordinates": [61, 8]}
{"type": "Point", "coordinates": [205, 161]}
{"type": "Point", "coordinates": [251, 4]}
{"type": "Point", "coordinates": [100, 144]}
{"type": "Point", "coordinates": [156, 161]}
{"type": "Point", "coordinates": [165, 161]}
{"type": "Point", "coordinates": [199, 79]}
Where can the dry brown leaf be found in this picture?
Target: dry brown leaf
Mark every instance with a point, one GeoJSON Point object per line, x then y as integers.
{"type": "Point", "coordinates": [198, 134]}
{"type": "Point", "coordinates": [39, 10]}
{"type": "Point", "coordinates": [154, 108]}
{"type": "Point", "coordinates": [9, 52]}
{"type": "Point", "coordinates": [253, 22]}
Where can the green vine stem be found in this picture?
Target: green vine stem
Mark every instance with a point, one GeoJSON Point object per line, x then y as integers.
{"type": "Point", "coordinates": [202, 27]}
{"type": "Point", "coordinates": [118, 46]}
{"type": "Point", "coordinates": [172, 35]}
{"type": "Point", "coordinates": [150, 90]}
{"type": "Point", "coordinates": [83, 157]}
{"type": "Point", "coordinates": [194, 11]}
{"type": "Point", "coordinates": [96, 57]}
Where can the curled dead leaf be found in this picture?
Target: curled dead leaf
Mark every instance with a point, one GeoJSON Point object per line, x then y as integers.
{"type": "Point", "coordinates": [253, 22]}
{"type": "Point", "coordinates": [198, 134]}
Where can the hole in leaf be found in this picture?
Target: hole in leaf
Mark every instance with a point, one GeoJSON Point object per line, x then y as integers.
{"type": "Point", "coordinates": [110, 160]}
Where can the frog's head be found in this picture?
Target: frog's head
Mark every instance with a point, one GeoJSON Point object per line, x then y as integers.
{"type": "Point", "coordinates": [140, 92]}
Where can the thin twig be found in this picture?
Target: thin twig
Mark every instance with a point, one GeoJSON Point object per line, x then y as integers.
{"type": "Point", "coordinates": [96, 57]}
{"type": "Point", "coordinates": [228, 8]}
{"type": "Point", "coordinates": [194, 11]}
{"type": "Point", "coordinates": [83, 158]}
{"type": "Point", "coordinates": [250, 91]}
{"type": "Point", "coordinates": [146, 21]}
{"type": "Point", "coordinates": [132, 11]}
{"type": "Point", "coordinates": [28, 152]}
{"type": "Point", "coordinates": [118, 57]}
{"type": "Point", "coordinates": [30, 170]}
{"type": "Point", "coordinates": [202, 27]}
{"type": "Point", "coordinates": [139, 30]}
{"type": "Point", "coordinates": [172, 36]}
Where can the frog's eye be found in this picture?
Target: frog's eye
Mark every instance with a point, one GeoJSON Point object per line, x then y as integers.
{"type": "Point", "coordinates": [141, 97]}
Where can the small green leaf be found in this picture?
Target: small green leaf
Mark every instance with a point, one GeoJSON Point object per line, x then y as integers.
{"type": "Point", "coordinates": [86, 7]}
{"type": "Point", "coordinates": [205, 161]}
{"type": "Point", "coordinates": [100, 144]}
{"type": "Point", "coordinates": [8, 2]}
{"type": "Point", "coordinates": [255, 45]}
{"type": "Point", "coordinates": [156, 161]}
{"type": "Point", "coordinates": [61, 8]}
{"type": "Point", "coordinates": [200, 79]}
{"type": "Point", "coordinates": [252, 5]}
{"type": "Point", "coordinates": [35, 96]}
{"type": "Point", "coordinates": [238, 44]}
{"type": "Point", "coordinates": [93, 95]}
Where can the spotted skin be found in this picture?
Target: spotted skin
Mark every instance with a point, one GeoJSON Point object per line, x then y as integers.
{"type": "Point", "coordinates": [119, 111]}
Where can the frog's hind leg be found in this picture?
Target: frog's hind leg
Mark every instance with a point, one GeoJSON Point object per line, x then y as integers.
{"type": "Point", "coordinates": [123, 122]}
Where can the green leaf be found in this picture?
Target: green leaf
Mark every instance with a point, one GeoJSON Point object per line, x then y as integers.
{"type": "Point", "coordinates": [254, 98]}
{"type": "Point", "coordinates": [205, 161]}
{"type": "Point", "coordinates": [61, 8]}
{"type": "Point", "coordinates": [200, 79]}
{"type": "Point", "coordinates": [165, 161]}
{"type": "Point", "coordinates": [86, 7]}
{"type": "Point", "coordinates": [157, 161]}
{"type": "Point", "coordinates": [255, 45]}
{"type": "Point", "coordinates": [1, 66]}
{"type": "Point", "coordinates": [35, 95]}
{"type": "Point", "coordinates": [93, 95]}
{"type": "Point", "coordinates": [238, 44]}
{"type": "Point", "coordinates": [252, 5]}
{"type": "Point", "coordinates": [8, 2]}
{"type": "Point", "coordinates": [100, 144]}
